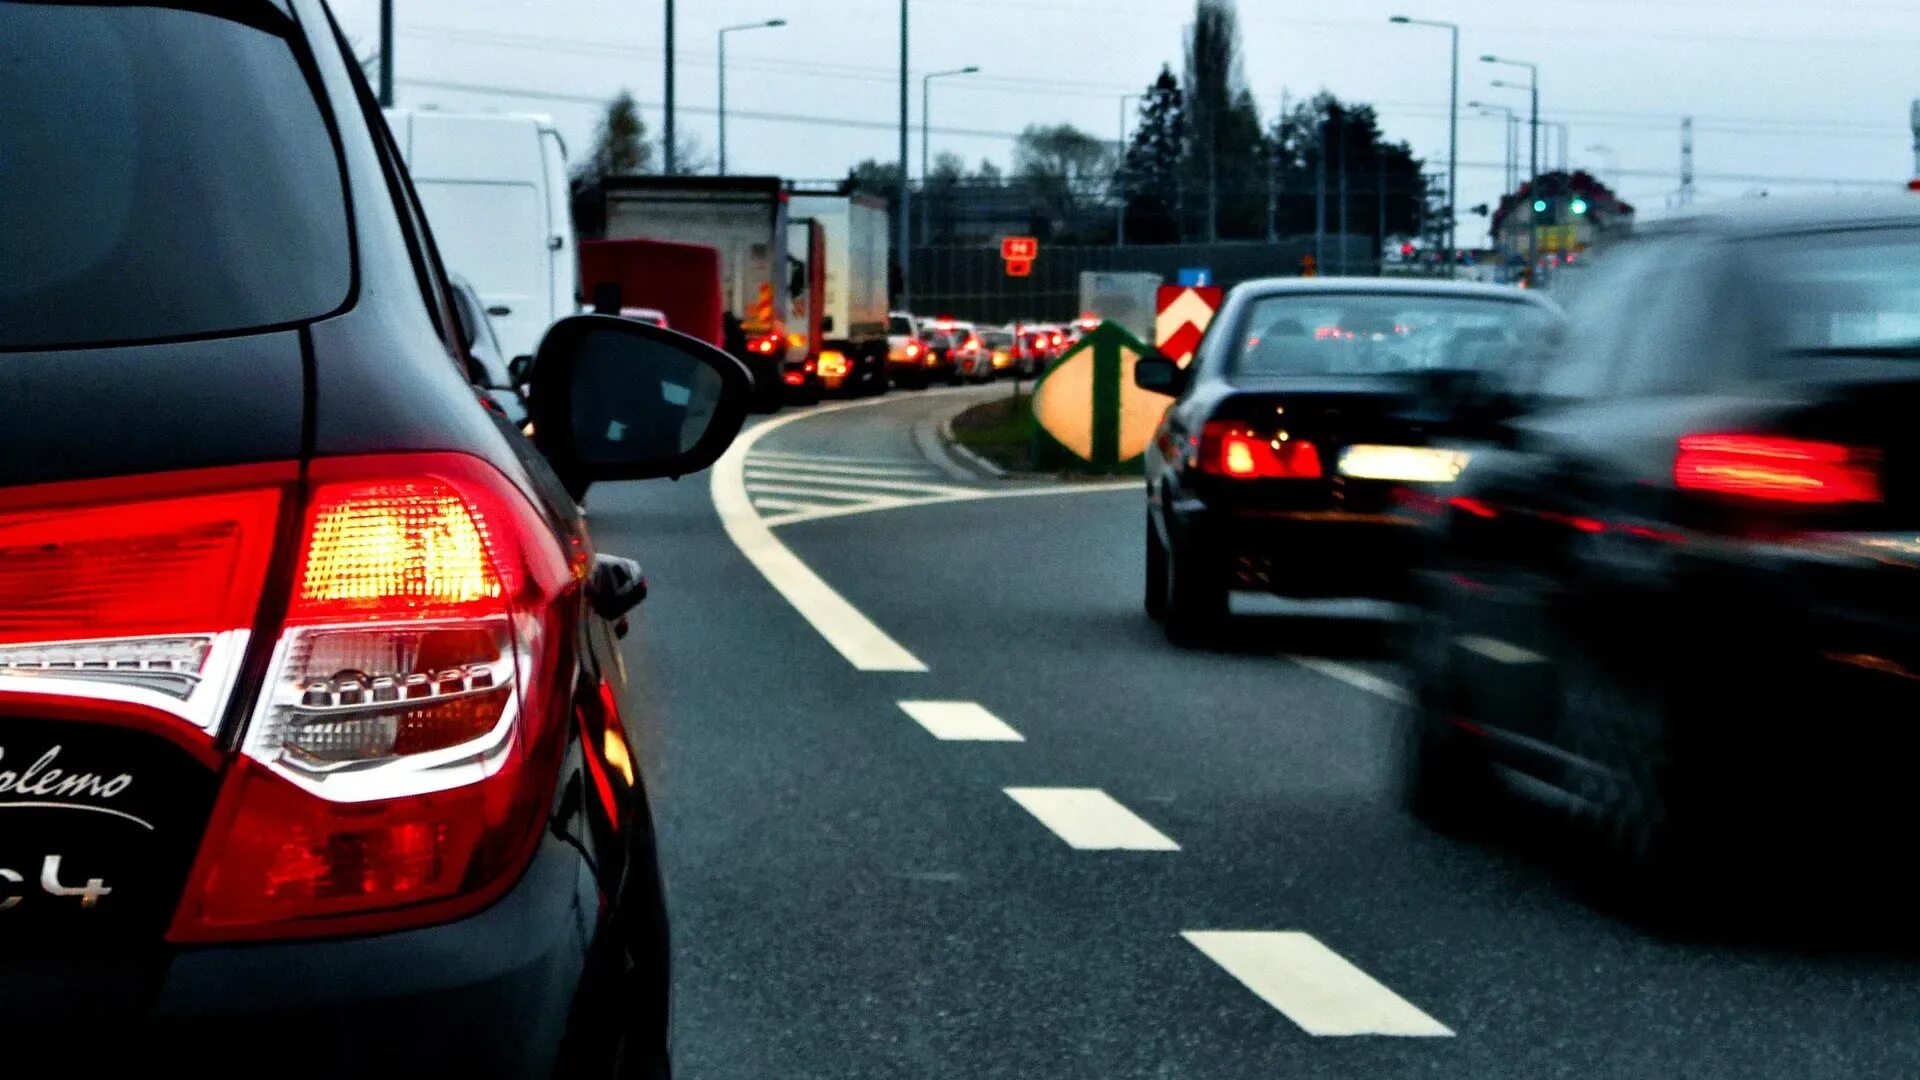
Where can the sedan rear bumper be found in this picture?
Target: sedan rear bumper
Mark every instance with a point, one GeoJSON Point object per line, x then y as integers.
{"type": "Point", "coordinates": [1301, 553]}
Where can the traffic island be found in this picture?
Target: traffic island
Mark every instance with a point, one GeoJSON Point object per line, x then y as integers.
{"type": "Point", "coordinates": [1003, 434]}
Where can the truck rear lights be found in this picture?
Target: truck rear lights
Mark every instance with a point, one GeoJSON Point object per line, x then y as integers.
{"type": "Point", "coordinates": [833, 365]}
{"type": "Point", "coordinates": [1774, 469]}
{"type": "Point", "coordinates": [402, 747]}
{"type": "Point", "coordinates": [137, 592]}
{"type": "Point", "coordinates": [1235, 450]}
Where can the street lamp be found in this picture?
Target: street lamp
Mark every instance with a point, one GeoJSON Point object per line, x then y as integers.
{"type": "Point", "coordinates": [724, 31]}
{"type": "Point", "coordinates": [926, 129]}
{"type": "Point", "coordinates": [1613, 161]}
{"type": "Point", "coordinates": [1453, 130]}
{"type": "Point", "coordinates": [1533, 89]}
{"type": "Point", "coordinates": [1512, 177]}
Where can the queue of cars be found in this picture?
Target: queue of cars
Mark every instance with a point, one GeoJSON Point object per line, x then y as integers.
{"type": "Point", "coordinates": [1659, 552]}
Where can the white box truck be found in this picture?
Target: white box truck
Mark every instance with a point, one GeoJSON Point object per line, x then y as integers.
{"type": "Point", "coordinates": [854, 318]}
{"type": "Point", "coordinates": [745, 219]}
{"type": "Point", "coordinates": [494, 186]}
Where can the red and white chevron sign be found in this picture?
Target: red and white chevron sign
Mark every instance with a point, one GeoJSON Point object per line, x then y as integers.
{"type": "Point", "coordinates": [1183, 313]}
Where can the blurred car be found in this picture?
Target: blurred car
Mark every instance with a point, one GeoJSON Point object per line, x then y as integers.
{"type": "Point", "coordinates": [943, 340]}
{"type": "Point", "coordinates": [488, 370]}
{"type": "Point", "coordinates": [972, 359]}
{"type": "Point", "coordinates": [911, 361]}
{"type": "Point", "coordinates": [319, 748]}
{"type": "Point", "coordinates": [1003, 350]}
{"type": "Point", "coordinates": [1035, 352]}
{"type": "Point", "coordinates": [1677, 597]}
{"type": "Point", "coordinates": [1306, 411]}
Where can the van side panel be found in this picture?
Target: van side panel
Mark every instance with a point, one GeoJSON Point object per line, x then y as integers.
{"type": "Point", "coordinates": [562, 256]}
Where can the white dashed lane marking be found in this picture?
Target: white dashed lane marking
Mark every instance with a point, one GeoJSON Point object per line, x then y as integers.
{"type": "Point", "coordinates": [960, 721]}
{"type": "Point", "coordinates": [1312, 985]}
{"type": "Point", "coordinates": [1358, 678]}
{"type": "Point", "coordinates": [1500, 652]}
{"type": "Point", "coordinates": [1091, 820]}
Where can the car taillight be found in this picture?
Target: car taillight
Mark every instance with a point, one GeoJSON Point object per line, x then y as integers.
{"type": "Point", "coordinates": [1774, 469]}
{"type": "Point", "coordinates": [913, 349]}
{"type": "Point", "coordinates": [399, 759]}
{"type": "Point", "coordinates": [833, 365]}
{"type": "Point", "coordinates": [1233, 449]}
{"type": "Point", "coordinates": [136, 596]}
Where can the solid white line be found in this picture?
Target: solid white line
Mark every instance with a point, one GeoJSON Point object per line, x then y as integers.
{"type": "Point", "coordinates": [833, 459]}
{"type": "Point", "coordinates": [759, 460]}
{"type": "Point", "coordinates": [865, 645]}
{"type": "Point", "coordinates": [1500, 652]}
{"type": "Point", "coordinates": [757, 473]}
{"type": "Point", "coordinates": [1357, 678]}
{"type": "Point", "coordinates": [781, 504]}
{"type": "Point", "coordinates": [960, 721]}
{"type": "Point", "coordinates": [1091, 820]}
{"type": "Point", "coordinates": [978, 496]}
{"type": "Point", "coordinates": [1313, 985]}
{"type": "Point", "coordinates": [755, 487]}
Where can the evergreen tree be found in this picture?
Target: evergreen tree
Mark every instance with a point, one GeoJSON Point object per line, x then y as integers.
{"type": "Point", "coordinates": [1149, 179]}
{"type": "Point", "coordinates": [620, 147]}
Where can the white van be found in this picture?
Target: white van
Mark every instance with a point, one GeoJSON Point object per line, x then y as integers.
{"type": "Point", "coordinates": [495, 190]}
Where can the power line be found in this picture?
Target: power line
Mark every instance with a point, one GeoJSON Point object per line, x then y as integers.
{"type": "Point", "coordinates": [1009, 136]}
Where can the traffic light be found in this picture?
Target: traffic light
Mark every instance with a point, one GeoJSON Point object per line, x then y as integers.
{"type": "Point", "coordinates": [1541, 206]}
{"type": "Point", "coordinates": [1578, 206]}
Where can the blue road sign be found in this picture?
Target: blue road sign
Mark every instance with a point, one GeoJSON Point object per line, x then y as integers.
{"type": "Point", "coordinates": [1195, 277]}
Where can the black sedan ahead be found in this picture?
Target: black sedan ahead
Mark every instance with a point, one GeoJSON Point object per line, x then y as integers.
{"type": "Point", "coordinates": [1314, 418]}
{"type": "Point", "coordinates": [316, 751]}
{"type": "Point", "coordinates": [1677, 597]}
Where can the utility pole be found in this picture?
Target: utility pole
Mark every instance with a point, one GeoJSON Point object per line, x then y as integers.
{"type": "Point", "coordinates": [1686, 160]}
{"type": "Point", "coordinates": [1340, 140]}
{"type": "Point", "coordinates": [1380, 205]}
{"type": "Point", "coordinates": [1273, 172]}
{"type": "Point", "coordinates": [386, 58]}
{"type": "Point", "coordinates": [1120, 175]}
{"type": "Point", "coordinates": [903, 242]}
{"type": "Point", "coordinates": [667, 149]}
{"type": "Point", "coordinates": [1320, 200]}
{"type": "Point", "coordinates": [1914, 117]}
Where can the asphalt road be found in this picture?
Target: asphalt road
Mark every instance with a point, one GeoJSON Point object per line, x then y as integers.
{"type": "Point", "coordinates": [854, 897]}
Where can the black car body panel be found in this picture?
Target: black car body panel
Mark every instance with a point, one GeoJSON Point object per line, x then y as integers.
{"type": "Point", "coordinates": [572, 956]}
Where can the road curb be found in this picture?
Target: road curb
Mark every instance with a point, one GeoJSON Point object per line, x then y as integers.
{"type": "Point", "coordinates": [954, 447]}
{"type": "Point", "coordinates": [934, 437]}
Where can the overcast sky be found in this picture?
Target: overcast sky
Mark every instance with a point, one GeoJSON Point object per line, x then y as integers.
{"type": "Point", "coordinates": [1781, 90]}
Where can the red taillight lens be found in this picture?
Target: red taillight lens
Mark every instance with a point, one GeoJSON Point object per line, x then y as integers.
{"type": "Point", "coordinates": [1773, 469]}
{"type": "Point", "coordinates": [1231, 449]}
{"type": "Point", "coordinates": [913, 349]}
{"type": "Point", "coordinates": [138, 592]}
{"type": "Point", "coordinates": [403, 741]}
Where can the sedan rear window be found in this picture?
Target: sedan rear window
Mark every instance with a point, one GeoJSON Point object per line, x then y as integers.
{"type": "Point", "coordinates": [1844, 292]}
{"type": "Point", "coordinates": [168, 174]}
{"type": "Point", "coordinates": [1371, 333]}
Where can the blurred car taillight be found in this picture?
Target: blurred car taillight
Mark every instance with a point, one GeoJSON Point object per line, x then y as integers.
{"type": "Point", "coordinates": [1233, 449]}
{"type": "Point", "coordinates": [398, 764]}
{"type": "Point", "coordinates": [1774, 469]}
{"type": "Point", "coordinates": [833, 365]}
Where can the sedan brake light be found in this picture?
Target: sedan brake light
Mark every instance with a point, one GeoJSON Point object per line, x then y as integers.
{"type": "Point", "coordinates": [1773, 469]}
{"type": "Point", "coordinates": [396, 767]}
{"type": "Point", "coordinates": [1232, 449]}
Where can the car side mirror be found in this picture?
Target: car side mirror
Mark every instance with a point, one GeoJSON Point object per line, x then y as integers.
{"type": "Point", "coordinates": [1159, 374]}
{"type": "Point", "coordinates": [615, 399]}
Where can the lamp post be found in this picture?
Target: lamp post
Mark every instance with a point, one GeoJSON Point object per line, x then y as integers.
{"type": "Point", "coordinates": [926, 130]}
{"type": "Point", "coordinates": [1533, 89]}
{"type": "Point", "coordinates": [724, 31]}
{"type": "Point", "coordinates": [1613, 161]}
{"type": "Point", "coordinates": [1119, 170]}
{"type": "Point", "coordinates": [1453, 130]}
{"type": "Point", "coordinates": [1513, 139]}
{"type": "Point", "coordinates": [903, 242]}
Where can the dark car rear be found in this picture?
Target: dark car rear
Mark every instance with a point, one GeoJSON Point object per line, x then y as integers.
{"type": "Point", "coordinates": [1679, 599]}
{"type": "Point", "coordinates": [314, 745]}
{"type": "Point", "coordinates": [1306, 421]}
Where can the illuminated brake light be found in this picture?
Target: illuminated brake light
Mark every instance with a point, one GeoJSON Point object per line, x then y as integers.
{"type": "Point", "coordinates": [1773, 469]}
{"type": "Point", "coordinates": [136, 594]}
{"type": "Point", "coordinates": [912, 350]}
{"type": "Point", "coordinates": [404, 741]}
{"type": "Point", "coordinates": [833, 365]}
{"type": "Point", "coordinates": [1230, 449]}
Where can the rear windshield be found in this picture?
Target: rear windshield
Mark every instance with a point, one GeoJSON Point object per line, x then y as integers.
{"type": "Point", "coordinates": [167, 174]}
{"type": "Point", "coordinates": [1851, 291]}
{"type": "Point", "coordinates": [900, 325]}
{"type": "Point", "coordinates": [1369, 333]}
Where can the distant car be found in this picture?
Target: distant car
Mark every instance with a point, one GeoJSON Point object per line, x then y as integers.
{"type": "Point", "coordinates": [972, 360]}
{"type": "Point", "coordinates": [1034, 352]}
{"type": "Point", "coordinates": [911, 361]}
{"type": "Point", "coordinates": [487, 368]}
{"type": "Point", "coordinates": [1678, 598]}
{"type": "Point", "coordinates": [1300, 422]}
{"type": "Point", "coordinates": [1003, 350]}
{"type": "Point", "coordinates": [650, 316]}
